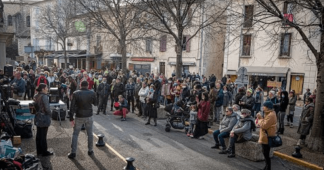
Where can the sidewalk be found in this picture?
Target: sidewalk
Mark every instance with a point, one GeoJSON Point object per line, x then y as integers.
{"type": "Point", "coordinates": [289, 139]}
{"type": "Point", "coordinates": [59, 141]}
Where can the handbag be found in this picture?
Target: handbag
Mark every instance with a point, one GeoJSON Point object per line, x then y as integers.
{"type": "Point", "coordinates": [41, 120]}
{"type": "Point", "coordinates": [274, 141]}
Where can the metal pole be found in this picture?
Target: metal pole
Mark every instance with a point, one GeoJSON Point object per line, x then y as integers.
{"type": "Point", "coordinates": [88, 47]}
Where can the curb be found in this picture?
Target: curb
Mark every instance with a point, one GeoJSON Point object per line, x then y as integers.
{"type": "Point", "coordinates": [297, 161]}
{"type": "Point", "coordinates": [287, 157]}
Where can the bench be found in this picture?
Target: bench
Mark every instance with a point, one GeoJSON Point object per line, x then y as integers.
{"type": "Point", "coordinates": [250, 150]}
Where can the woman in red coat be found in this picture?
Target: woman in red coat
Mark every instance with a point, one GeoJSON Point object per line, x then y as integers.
{"type": "Point", "coordinates": [202, 116]}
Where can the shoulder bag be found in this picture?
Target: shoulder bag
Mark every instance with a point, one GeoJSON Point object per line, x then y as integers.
{"type": "Point", "coordinates": [274, 141]}
{"type": "Point", "coordinates": [41, 120]}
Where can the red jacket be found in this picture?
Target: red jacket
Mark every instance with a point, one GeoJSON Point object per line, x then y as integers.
{"type": "Point", "coordinates": [90, 82]}
{"type": "Point", "coordinates": [203, 111]}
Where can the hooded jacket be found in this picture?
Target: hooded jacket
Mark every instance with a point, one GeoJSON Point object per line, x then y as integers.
{"type": "Point", "coordinates": [306, 119]}
{"type": "Point", "coordinates": [284, 101]}
{"type": "Point", "coordinates": [245, 126]}
{"type": "Point", "coordinates": [228, 123]}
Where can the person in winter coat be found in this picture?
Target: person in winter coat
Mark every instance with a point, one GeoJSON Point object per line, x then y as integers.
{"type": "Point", "coordinates": [42, 123]}
{"type": "Point", "coordinates": [103, 91]}
{"type": "Point", "coordinates": [143, 94]}
{"type": "Point", "coordinates": [258, 96]}
{"type": "Point", "coordinates": [130, 89]}
{"type": "Point", "coordinates": [241, 132]}
{"type": "Point", "coordinates": [247, 102]}
{"type": "Point", "coordinates": [122, 109]}
{"type": "Point", "coordinates": [213, 93]}
{"type": "Point", "coordinates": [41, 79]}
{"type": "Point", "coordinates": [268, 125]}
{"type": "Point", "coordinates": [112, 97]}
{"type": "Point", "coordinates": [152, 104]}
{"type": "Point", "coordinates": [118, 89]}
{"type": "Point", "coordinates": [306, 120]}
{"type": "Point", "coordinates": [291, 109]}
{"type": "Point", "coordinates": [307, 94]}
{"type": "Point", "coordinates": [225, 127]}
{"type": "Point", "coordinates": [185, 92]}
{"type": "Point", "coordinates": [239, 96]}
{"type": "Point", "coordinates": [274, 100]}
{"type": "Point", "coordinates": [166, 91]}
{"type": "Point", "coordinates": [282, 110]}
{"type": "Point", "coordinates": [227, 98]}
{"type": "Point", "coordinates": [218, 102]}
{"type": "Point", "coordinates": [18, 86]}
{"type": "Point", "coordinates": [138, 87]}
{"type": "Point", "coordinates": [202, 116]}
{"type": "Point", "coordinates": [28, 85]}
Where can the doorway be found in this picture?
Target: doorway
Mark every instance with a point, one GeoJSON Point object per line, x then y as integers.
{"type": "Point", "coordinates": [162, 68]}
{"type": "Point", "coordinates": [297, 82]}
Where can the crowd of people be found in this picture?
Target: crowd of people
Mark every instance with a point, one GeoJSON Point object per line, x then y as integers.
{"type": "Point", "coordinates": [238, 111]}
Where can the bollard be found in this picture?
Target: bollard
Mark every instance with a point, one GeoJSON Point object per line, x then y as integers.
{"type": "Point", "coordinates": [129, 165]}
{"type": "Point", "coordinates": [83, 127]}
{"type": "Point", "coordinates": [297, 153]}
{"type": "Point", "coordinates": [100, 142]}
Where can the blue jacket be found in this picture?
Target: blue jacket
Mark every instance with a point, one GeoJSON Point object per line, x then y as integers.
{"type": "Point", "coordinates": [19, 85]}
{"type": "Point", "coordinates": [124, 104]}
{"type": "Point", "coordinates": [219, 98]}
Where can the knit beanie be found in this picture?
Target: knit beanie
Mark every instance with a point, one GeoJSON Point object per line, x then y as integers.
{"type": "Point", "coordinates": [268, 104]}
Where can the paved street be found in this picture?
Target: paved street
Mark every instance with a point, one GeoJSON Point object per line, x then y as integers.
{"type": "Point", "coordinates": [153, 148]}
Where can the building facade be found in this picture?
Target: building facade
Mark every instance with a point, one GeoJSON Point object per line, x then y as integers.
{"type": "Point", "coordinates": [273, 54]}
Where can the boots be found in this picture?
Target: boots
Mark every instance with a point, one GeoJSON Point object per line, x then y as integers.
{"type": "Point", "coordinates": [291, 125]}
{"type": "Point", "coordinates": [223, 151]}
{"type": "Point", "coordinates": [231, 151]}
{"type": "Point", "coordinates": [98, 111]}
{"type": "Point", "coordinates": [148, 121]}
{"type": "Point", "coordinates": [216, 146]}
{"type": "Point", "coordinates": [282, 131]}
{"type": "Point", "coordinates": [155, 124]}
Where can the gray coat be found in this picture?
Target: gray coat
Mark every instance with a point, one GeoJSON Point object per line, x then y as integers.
{"type": "Point", "coordinates": [306, 119]}
{"type": "Point", "coordinates": [228, 123]}
{"type": "Point", "coordinates": [227, 98]}
{"type": "Point", "coordinates": [244, 127]}
{"type": "Point", "coordinates": [292, 103]}
{"type": "Point", "coordinates": [44, 114]}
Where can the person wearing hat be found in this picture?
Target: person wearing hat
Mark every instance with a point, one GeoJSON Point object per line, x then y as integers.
{"type": "Point", "coordinates": [41, 79]}
{"type": "Point", "coordinates": [267, 123]}
{"type": "Point", "coordinates": [272, 98]}
{"type": "Point", "coordinates": [241, 132]}
{"type": "Point", "coordinates": [247, 102]}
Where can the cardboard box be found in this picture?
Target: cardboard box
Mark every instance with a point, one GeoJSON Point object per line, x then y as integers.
{"type": "Point", "coordinates": [16, 140]}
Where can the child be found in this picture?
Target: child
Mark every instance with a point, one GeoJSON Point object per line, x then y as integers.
{"type": "Point", "coordinates": [122, 110]}
{"type": "Point", "coordinates": [193, 120]}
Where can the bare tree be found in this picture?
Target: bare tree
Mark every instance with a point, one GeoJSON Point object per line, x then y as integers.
{"type": "Point", "coordinates": [270, 18]}
{"type": "Point", "coordinates": [177, 17]}
{"type": "Point", "coordinates": [117, 19]}
{"type": "Point", "coordinates": [54, 23]}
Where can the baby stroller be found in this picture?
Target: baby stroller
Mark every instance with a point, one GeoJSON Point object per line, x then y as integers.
{"type": "Point", "coordinates": [177, 116]}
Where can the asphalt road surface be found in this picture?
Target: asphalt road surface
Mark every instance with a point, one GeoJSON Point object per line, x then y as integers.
{"type": "Point", "coordinates": [153, 148]}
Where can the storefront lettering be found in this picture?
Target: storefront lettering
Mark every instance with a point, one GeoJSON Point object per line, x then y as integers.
{"type": "Point", "coordinates": [143, 59]}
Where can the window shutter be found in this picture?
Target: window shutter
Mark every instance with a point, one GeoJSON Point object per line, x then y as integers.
{"type": "Point", "coordinates": [289, 44]}
{"type": "Point", "coordinates": [163, 43]}
{"type": "Point", "coordinates": [248, 18]}
{"type": "Point", "coordinates": [282, 44]}
{"type": "Point", "coordinates": [188, 43]}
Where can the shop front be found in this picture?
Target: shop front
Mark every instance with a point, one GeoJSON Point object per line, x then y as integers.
{"type": "Point", "coordinates": [188, 65]}
{"type": "Point", "coordinates": [141, 65]}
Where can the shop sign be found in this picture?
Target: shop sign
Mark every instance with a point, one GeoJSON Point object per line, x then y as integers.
{"type": "Point", "coordinates": [142, 59]}
{"type": "Point", "coordinates": [273, 84]}
{"type": "Point", "coordinates": [259, 74]}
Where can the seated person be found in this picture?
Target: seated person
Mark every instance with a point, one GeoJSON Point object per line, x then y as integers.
{"type": "Point", "coordinates": [241, 132]}
{"type": "Point", "coordinates": [225, 127]}
{"type": "Point", "coordinates": [122, 108]}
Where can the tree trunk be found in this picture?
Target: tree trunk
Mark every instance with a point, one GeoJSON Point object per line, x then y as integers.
{"type": "Point", "coordinates": [65, 56]}
{"type": "Point", "coordinates": [124, 55]}
{"type": "Point", "coordinates": [179, 55]}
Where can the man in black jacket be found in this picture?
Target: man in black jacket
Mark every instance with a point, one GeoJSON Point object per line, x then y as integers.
{"type": "Point", "coordinates": [119, 89]}
{"type": "Point", "coordinates": [130, 89]}
{"type": "Point", "coordinates": [158, 86]}
{"type": "Point", "coordinates": [103, 91]}
{"type": "Point", "coordinates": [81, 105]}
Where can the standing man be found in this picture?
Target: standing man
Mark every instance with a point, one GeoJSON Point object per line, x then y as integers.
{"type": "Point", "coordinates": [103, 91]}
{"type": "Point", "coordinates": [118, 89]}
{"type": "Point", "coordinates": [158, 86]}
{"type": "Point", "coordinates": [81, 105]}
{"type": "Point", "coordinates": [218, 102]}
{"type": "Point", "coordinates": [130, 88]}
{"type": "Point", "coordinates": [307, 94]}
{"type": "Point", "coordinates": [18, 87]}
{"type": "Point", "coordinates": [41, 79]}
{"type": "Point", "coordinates": [138, 87]}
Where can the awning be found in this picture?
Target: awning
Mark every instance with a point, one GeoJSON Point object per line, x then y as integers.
{"type": "Point", "coordinates": [231, 72]}
{"type": "Point", "coordinates": [184, 63]}
{"type": "Point", "coordinates": [267, 71]}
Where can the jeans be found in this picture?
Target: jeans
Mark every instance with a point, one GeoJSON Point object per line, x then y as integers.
{"type": "Point", "coordinates": [219, 137]}
{"type": "Point", "coordinates": [266, 154]}
{"type": "Point", "coordinates": [122, 112]}
{"type": "Point", "coordinates": [290, 117]}
{"type": "Point", "coordinates": [143, 105]}
{"type": "Point", "coordinates": [232, 142]}
{"type": "Point", "coordinates": [76, 130]}
{"type": "Point", "coordinates": [41, 141]}
{"type": "Point", "coordinates": [281, 117]}
{"type": "Point", "coordinates": [217, 112]}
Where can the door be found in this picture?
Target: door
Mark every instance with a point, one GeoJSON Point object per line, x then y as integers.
{"type": "Point", "coordinates": [162, 68]}
{"type": "Point", "coordinates": [297, 82]}
{"type": "Point", "coordinates": [142, 68]}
